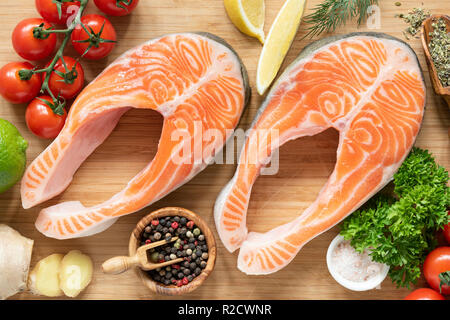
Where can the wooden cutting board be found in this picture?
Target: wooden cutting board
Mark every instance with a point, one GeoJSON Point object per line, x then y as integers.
{"type": "Point", "coordinates": [304, 164]}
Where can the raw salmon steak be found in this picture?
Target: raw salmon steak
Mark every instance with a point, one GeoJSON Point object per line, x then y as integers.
{"type": "Point", "coordinates": [369, 87]}
{"type": "Point", "coordinates": [195, 80]}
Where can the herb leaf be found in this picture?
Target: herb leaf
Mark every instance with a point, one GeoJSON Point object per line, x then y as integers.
{"type": "Point", "coordinates": [399, 229]}
{"type": "Point", "coordinates": [330, 14]}
{"type": "Point", "coordinates": [419, 168]}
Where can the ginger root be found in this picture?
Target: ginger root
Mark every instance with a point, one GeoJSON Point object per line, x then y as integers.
{"type": "Point", "coordinates": [15, 257]}
{"type": "Point", "coordinates": [60, 274]}
{"type": "Point", "coordinates": [44, 279]}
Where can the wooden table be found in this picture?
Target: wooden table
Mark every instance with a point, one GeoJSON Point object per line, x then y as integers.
{"type": "Point", "coordinates": [304, 164]}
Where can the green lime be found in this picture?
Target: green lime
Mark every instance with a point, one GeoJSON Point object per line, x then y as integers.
{"type": "Point", "coordinates": [12, 155]}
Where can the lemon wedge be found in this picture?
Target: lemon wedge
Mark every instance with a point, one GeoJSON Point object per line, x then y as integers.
{"type": "Point", "coordinates": [278, 42]}
{"type": "Point", "coordinates": [247, 16]}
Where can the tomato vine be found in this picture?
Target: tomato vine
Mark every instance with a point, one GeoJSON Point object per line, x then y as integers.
{"type": "Point", "coordinates": [40, 32]}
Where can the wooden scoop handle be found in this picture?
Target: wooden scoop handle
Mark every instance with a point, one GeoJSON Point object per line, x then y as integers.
{"type": "Point", "coordinates": [120, 264]}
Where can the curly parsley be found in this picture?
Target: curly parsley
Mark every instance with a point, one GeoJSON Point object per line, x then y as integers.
{"type": "Point", "coordinates": [399, 228]}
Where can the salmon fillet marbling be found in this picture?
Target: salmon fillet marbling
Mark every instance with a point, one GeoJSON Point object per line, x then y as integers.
{"type": "Point", "coordinates": [195, 80]}
{"type": "Point", "coordinates": [369, 87]}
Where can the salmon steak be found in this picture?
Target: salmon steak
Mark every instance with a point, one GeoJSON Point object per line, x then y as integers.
{"type": "Point", "coordinates": [194, 80]}
{"type": "Point", "coordinates": [369, 87]}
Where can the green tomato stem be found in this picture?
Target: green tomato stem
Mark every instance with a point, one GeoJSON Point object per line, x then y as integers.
{"type": "Point", "coordinates": [46, 31]}
{"type": "Point", "coordinates": [59, 54]}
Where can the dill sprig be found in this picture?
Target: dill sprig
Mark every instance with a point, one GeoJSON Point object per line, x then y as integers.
{"type": "Point", "coordinates": [330, 14]}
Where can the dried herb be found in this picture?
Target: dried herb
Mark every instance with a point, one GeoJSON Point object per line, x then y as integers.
{"type": "Point", "coordinates": [439, 47]}
{"type": "Point", "coordinates": [415, 18]}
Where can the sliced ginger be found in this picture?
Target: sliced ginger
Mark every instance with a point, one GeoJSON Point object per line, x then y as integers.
{"type": "Point", "coordinates": [44, 279]}
{"type": "Point", "coordinates": [75, 273]}
{"type": "Point", "coordinates": [60, 274]}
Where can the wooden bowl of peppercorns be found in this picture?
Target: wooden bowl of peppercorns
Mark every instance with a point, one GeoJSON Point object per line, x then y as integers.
{"type": "Point", "coordinates": [198, 263]}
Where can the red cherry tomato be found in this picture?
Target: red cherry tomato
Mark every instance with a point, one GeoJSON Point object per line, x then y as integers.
{"type": "Point", "coordinates": [70, 85]}
{"type": "Point", "coordinates": [48, 10]}
{"type": "Point", "coordinates": [42, 121]}
{"type": "Point", "coordinates": [116, 7]}
{"type": "Point", "coordinates": [437, 262]}
{"type": "Point", "coordinates": [424, 294]}
{"type": "Point", "coordinates": [447, 231]}
{"type": "Point", "coordinates": [27, 45]}
{"type": "Point", "coordinates": [99, 49]}
{"type": "Point", "coordinates": [13, 88]}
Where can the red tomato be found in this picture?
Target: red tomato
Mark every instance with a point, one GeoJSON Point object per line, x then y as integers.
{"type": "Point", "coordinates": [447, 231]}
{"type": "Point", "coordinates": [14, 89]}
{"type": "Point", "coordinates": [98, 48]}
{"type": "Point", "coordinates": [116, 7]}
{"type": "Point", "coordinates": [424, 294]}
{"type": "Point", "coordinates": [437, 262]}
{"type": "Point", "coordinates": [29, 47]}
{"type": "Point", "coordinates": [42, 121]}
{"type": "Point", "coordinates": [49, 11]}
{"type": "Point", "coordinates": [70, 86]}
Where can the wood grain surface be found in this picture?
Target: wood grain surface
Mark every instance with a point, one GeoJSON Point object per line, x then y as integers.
{"type": "Point", "coordinates": [304, 164]}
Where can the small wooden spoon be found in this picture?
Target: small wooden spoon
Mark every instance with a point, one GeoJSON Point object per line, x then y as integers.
{"type": "Point", "coordinates": [121, 264]}
{"type": "Point", "coordinates": [425, 35]}
{"type": "Point", "coordinates": [172, 289]}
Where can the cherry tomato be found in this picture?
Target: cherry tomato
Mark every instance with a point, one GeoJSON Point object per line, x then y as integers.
{"type": "Point", "coordinates": [424, 294]}
{"type": "Point", "coordinates": [116, 7]}
{"type": "Point", "coordinates": [447, 232]}
{"type": "Point", "coordinates": [48, 10]}
{"type": "Point", "coordinates": [98, 47]}
{"type": "Point", "coordinates": [70, 85]}
{"type": "Point", "coordinates": [27, 45]}
{"type": "Point", "coordinates": [42, 121]}
{"type": "Point", "coordinates": [13, 88]}
{"type": "Point", "coordinates": [437, 262]}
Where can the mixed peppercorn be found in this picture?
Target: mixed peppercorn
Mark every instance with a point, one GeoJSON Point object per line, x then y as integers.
{"type": "Point", "coordinates": [191, 246]}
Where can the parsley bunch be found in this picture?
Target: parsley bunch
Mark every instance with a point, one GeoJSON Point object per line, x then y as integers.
{"type": "Point", "coordinates": [399, 228]}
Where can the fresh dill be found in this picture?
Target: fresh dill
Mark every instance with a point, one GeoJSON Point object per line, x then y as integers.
{"type": "Point", "coordinates": [330, 14]}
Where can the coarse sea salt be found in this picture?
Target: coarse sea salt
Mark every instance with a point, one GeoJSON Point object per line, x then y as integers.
{"type": "Point", "coordinates": [354, 266]}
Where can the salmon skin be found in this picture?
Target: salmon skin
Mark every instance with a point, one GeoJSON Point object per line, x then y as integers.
{"type": "Point", "coordinates": [369, 87]}
{"type": "Point", "coordinates": [195, 80]}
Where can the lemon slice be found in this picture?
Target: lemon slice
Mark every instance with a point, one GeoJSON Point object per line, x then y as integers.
{"type": "Point", "coordinates": [278, 42]}
{"type": "Point", "coordinates": [247, 16]}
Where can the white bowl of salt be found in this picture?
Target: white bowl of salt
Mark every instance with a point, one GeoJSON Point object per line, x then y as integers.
{"type": "Point", "coordinates": [353, 270]}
